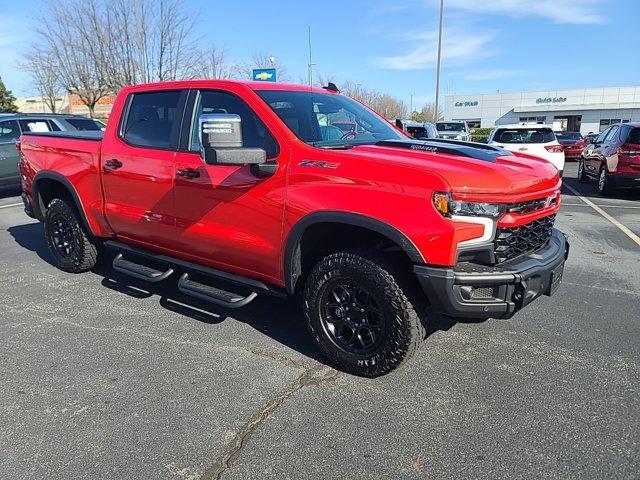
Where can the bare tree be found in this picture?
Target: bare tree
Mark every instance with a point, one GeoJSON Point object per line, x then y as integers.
{"type": "Point", "coordinates": [384, 104]}
{"type": "Point", "coordinates": [212, 63]}
{"type": "Point", "coordinates": [46, 78]}
{"type": "Point", "coordinates": [107, 44]}
{"type": "Point", "coordinates": [429, 114]}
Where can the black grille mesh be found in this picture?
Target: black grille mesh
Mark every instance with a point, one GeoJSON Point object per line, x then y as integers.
{"type": "Point", "coordinates": [514, 242]}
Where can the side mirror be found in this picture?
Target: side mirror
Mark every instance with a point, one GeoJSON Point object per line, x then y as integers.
{"type": "Point", "coordinates": [221, 141]}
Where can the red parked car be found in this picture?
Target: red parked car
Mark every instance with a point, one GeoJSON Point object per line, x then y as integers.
{"type": "Point", "coordinates": [237, 189]}
{"type": "Point", "coordinates": [573, 144]}
{"type": "Point", "coordinates": [613, 159]}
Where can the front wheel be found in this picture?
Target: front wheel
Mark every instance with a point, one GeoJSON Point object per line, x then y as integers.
{"type": "Point", "coordinates": [582, 174]}
{"type": "Point", "coordinates": [72, 248]}
{"type": "Point", "coordinates": [605, 186]}
{"type": "Point", "coordinates": [363, 311]}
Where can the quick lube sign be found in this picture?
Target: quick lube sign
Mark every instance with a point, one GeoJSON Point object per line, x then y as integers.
{"type": "Point", "coordinates": [551, 100]}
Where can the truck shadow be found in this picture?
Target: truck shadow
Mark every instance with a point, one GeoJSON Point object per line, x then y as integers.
{"type": "Point", "coordinates": [276, 318]}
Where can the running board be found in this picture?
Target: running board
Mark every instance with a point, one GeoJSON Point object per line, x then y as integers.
{"type": "Point", "coordinates": [141, 272]}
{"type": "Point", "coordinates": [212, 294]}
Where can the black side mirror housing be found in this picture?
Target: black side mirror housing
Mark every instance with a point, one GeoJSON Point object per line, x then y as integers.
{"type": "Point", "coordinates": [221, 141]}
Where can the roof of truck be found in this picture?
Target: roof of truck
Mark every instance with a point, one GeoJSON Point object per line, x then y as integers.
{"type": "Point", "coordinates": [219, 82]}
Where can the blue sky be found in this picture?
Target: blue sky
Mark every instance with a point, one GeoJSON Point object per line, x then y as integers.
{"type": "Point", "coordinates": [390, 45]}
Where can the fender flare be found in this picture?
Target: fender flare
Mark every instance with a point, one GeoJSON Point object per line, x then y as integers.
{"type": "Point", "coordinates": [48, 175]}
{"type": "Point", "coordinates": [292, 247]}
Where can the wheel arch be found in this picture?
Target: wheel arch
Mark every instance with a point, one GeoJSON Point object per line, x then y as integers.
{"type": "Point", "coordinates": [293, 255]}
{"type": "Point", "coordinates": [48, 185]}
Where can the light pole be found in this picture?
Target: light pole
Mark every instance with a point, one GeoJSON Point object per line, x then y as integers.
{"type": "Point", "coordinates": [437, 113]}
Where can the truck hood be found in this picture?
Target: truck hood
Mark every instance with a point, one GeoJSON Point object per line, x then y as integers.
{"type": "Point", "coordinates": [500, 174]}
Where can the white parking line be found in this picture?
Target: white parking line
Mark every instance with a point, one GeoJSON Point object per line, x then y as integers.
{"type": "Point", "coordinates": [12, 205]}
{"type": "Point", "coordinates": [624, 229]}
{"type": "Point", "coordinates": [603, 206]}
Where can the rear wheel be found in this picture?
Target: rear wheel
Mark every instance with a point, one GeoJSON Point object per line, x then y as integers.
{"type": "Point", "coordinates": [582, 174]}
{"type": "Point", "coordinates": [71, 246]}
{"type": "Point", "coordinates": [605, 186]}
{"type": "Point", "coordinates": [363, 311]}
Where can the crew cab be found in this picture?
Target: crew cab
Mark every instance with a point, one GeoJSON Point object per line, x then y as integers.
{"type": "Point", "coordinates": [613, 159]}
{"type": "Point", "coordinates": [239, 189]}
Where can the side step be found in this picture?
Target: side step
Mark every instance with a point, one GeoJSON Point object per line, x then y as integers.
{"type": "Point", "coordinates": [139, 271]}
{"type": "Point", "coordinates": [212, 294]}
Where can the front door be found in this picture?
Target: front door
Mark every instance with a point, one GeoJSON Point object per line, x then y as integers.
{"type": "Point", "coordinates": [226, 216]}
{"type": "Point", "coordinates": [138, 166]}
{"type": "Point", "coordinates": [9, 135]}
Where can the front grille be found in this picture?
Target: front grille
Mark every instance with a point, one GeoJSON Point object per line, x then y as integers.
{"type": "Point", "coordinates": [511, 243]}
{"type": "Point", "coordinates": [528, 206]}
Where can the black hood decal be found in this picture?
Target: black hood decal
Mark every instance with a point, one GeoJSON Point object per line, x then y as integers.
{"type": "Point", "coordinates": [478, 151]}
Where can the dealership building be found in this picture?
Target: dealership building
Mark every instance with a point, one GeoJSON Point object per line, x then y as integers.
{"type": "Point", "coordinates": [584, 110]}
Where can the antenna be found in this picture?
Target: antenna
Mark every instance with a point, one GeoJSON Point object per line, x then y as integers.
{"type": "Point", "coordinates": [311, 64]}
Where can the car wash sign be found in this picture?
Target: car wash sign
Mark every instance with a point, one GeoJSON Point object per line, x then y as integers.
{"type": "Point", "coordinates": [264, 74]}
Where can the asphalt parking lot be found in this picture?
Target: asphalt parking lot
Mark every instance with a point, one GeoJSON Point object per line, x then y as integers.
{"type": "Point", "coordinates": [103, 378]}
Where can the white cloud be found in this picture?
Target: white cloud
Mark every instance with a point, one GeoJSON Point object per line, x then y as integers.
{"type": "Point", "coordinates": [458, 48]}
{"type": "Point", "coordinates": [558, 11]}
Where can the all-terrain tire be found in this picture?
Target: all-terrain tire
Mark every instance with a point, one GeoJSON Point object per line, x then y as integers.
{"type": "Point", "coordinates": [391, 286]}
{"type": "Point", "coordinates": [582, 172]}
{"type": "Point", "coordinates": [73, 249]}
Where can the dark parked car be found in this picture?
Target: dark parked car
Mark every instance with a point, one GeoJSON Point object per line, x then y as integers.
{"type": "Point", "coordinates": [573, 144]}
{"type": "Point", "coordinates": [613, 159]}
{"type": "Point", "coordinates": [12, 125]}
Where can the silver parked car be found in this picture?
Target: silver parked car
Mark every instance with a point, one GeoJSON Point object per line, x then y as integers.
{"type": "Point", "coordinates": [453, 130]}
{"type": "Point", "coordinates": [13, 124]}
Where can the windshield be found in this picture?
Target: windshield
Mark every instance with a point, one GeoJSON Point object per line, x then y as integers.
{"type": "Point", "coordinates": [524, 135]}
{"type": "Point", "coordinates": [328, 120]}
{"type": "Point", "coordinates": [568, 136]}
{"type": "Point", "coordinates": [450, 126]}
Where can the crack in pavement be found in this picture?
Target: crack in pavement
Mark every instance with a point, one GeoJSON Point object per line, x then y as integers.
{"type": "Point", "coordinates": [315, 376]}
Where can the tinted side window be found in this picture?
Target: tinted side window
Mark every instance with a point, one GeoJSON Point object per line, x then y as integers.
{"type": "Point", "coordinates": [84, 124]}
{"type": "Point", "coordinates": [9, 131]}
{"type": "Point", "coordinates": [634, 136]}
{"type": "Point", "coordinates": [254, 131]}
{"type": "Point", "coordinates": [54, 126]}
{"type": "Point", "coordinates": [153, 119]}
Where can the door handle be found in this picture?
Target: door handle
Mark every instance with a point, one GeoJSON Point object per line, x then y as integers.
{"type": "Point", "coordinates": [112, 164]}
{"type": "Point", "coordinates": [188, 173]}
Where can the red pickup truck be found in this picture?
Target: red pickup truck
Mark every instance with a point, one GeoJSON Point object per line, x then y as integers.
{"type": "Point", "coordinates": [236, 189]}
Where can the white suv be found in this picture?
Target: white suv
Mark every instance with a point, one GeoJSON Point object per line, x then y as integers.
{"type": "Point", "coordinates": [537, 140]}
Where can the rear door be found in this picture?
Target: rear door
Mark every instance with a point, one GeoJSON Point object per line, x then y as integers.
{"type": "Point", "coordinates": [138, 168]}
{"type": "Point", "coordinates": [9, 135]}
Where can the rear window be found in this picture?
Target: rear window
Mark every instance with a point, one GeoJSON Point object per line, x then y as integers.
{"type": "Point", "coordinates": [568, 136]}
{"type": "Point", "coordinates": [153, 119]}
{"type": "Point", "coordinates": [524, 135]}
{"type": "Point", "coordinates": [634, 136]}
{"type": "Point", "coordinates": [450, 126]}
{"type": "Point", "coordinates": [84, 124]}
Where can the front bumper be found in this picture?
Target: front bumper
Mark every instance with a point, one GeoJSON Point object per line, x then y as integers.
{"type": "Point", "coordinates": [476, 291]}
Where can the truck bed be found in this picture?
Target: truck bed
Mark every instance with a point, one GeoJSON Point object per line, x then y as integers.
{"type": "Point", "coordinates": [74, 135]}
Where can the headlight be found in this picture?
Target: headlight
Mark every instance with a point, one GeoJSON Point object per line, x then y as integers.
{"type": "Point", "coordinates": [449, 207]}
{"type": "Point", "coordinates": [458, 137]}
